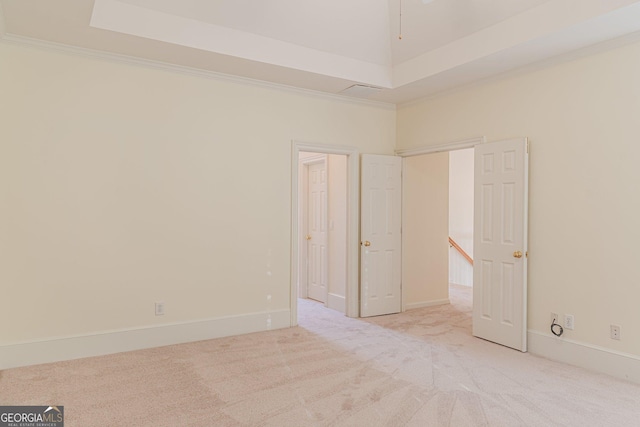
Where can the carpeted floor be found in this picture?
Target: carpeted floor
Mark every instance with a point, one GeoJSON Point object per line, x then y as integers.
{"type": "Point", "coordinates": [418, 368]}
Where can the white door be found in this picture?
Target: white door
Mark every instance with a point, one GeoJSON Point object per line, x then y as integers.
{"type": "Point", "coordinates": [317, 232]}
{"type": "Point", "coordinates": [381, 193]}
{"type": "Point", "coordinates": [500, 243]}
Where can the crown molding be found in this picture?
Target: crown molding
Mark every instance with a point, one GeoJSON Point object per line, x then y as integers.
{"type": "Point", "coordinates": [574, 55]}
{"type": "Point", "coordinates": [179, 69]}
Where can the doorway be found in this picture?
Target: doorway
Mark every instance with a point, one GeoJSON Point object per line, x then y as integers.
{"type": "Point", "coordinates": [425, 225]}
{"type": "Point", "coordinates": [348, 226]}
{"type": "Point", "coordinates": [426, 222]}
{"type": "Point", "coordinates": [312, 210]}
{"type": "Point", "coordinates": [323, 219]}
{"type": "Point", "coordinates": [500, 244]}
{"type": "Point", "coordinates": [438, 214]}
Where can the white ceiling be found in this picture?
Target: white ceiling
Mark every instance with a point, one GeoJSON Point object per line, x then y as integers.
{"type": "Point", "coordinates": [331, 45]}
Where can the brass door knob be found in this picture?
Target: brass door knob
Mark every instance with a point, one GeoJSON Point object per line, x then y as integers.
{"type": "Point", "coordinates": [366, 243]}
{"type": "Point", "coordinates": [517, 254]}
{"type": "Point", "coordinates": [308, 237]}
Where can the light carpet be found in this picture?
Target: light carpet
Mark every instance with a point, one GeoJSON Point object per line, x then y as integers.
{"type": "Point", "coordinates": [418, 368]}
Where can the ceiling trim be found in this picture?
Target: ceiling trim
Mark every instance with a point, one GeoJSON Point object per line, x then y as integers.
{"type": "Point", "coordinates": [560, 25]}
{"type": "Point", "coordinates": [573, 55]}
{"type": "Point", "coordinates": [180, 69]}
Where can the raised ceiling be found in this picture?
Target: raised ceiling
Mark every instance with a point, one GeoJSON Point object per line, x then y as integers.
{"type": "Point", "coordinates": [331, 45]}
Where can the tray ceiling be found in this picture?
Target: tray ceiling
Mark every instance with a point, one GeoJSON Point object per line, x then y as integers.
{"type": "Point", "coordinates": [332, 45]}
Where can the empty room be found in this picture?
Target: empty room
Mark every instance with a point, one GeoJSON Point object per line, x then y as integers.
{"type": "Point", "coordinates": [163, 260]}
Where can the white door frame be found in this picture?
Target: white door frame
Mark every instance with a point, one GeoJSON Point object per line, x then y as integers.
{"type": "Point", "coordinates": [353, 223]}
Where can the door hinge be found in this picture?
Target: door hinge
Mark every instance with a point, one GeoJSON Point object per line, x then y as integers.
{"type": "Point", "coordinates": [527, 146]}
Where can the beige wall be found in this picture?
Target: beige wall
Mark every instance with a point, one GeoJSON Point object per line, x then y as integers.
{"type": "Point", "coordinates": [461, 214]}
{"type": "Point", "coordinates": [461, 198]}
{"type": "Point", "coordinates": [582, 121]}
{"type": "Point", "coordinates": [425, 257]}
{"type": "Point", "coordinates": [122, 185]}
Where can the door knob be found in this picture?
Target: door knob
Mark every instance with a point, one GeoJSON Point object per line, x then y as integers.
{"type": "Point", "coordinates": [366, 243]}
{"type": "Point", "coordinates": [308, 237]}
{"type": "Point", "coordinates": [517, 254]}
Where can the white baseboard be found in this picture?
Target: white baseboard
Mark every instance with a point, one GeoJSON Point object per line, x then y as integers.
{"type": "Point", "coordinates": [426, 304]}
{"type": "Point", "coordinates": [617, 364]}
{"type": "Point", "coordinates": [337, 302]}
{"type": "Point", "coordinates": [75, 347]}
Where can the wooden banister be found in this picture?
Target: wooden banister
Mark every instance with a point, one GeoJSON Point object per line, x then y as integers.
{"type": "Point", "coordinates": [459, 249]}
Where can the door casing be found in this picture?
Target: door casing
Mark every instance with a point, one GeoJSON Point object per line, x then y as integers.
{"type": "Point", "coordinates": [353, 223]}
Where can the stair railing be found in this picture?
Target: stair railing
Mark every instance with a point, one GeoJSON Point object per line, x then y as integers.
{"type": "Point", "coordinates": [459, 249]}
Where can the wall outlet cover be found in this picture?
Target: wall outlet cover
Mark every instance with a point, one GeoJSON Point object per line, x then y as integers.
{"type": "Point", "coordinates": [568, 321]}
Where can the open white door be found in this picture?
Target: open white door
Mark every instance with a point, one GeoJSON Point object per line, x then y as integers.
{"type": "Point", "coordinates": [316, 237]}
{"type": "Point", "coordinates": [500, 243]}
{"type": "Point", "coordinates": [381, 192]}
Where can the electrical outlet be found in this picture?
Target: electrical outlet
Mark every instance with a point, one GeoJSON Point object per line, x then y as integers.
{"type": "Point", "coordinates": [568, 321]}
{"type": "Point", "coordinates": [159, 309]}
{"type": "Point", "coordinates": [554, 318]}
{"type": "Point", "coordinates": [615, 332]}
